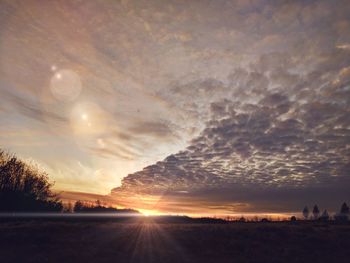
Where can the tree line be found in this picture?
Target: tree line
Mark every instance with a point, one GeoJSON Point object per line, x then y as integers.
{"type": "Point", "coordinates": [98, 207]}
{"type": "Point", "coordinates": [25, 188]}
{"type": "Point", "coordinates": [342, 215]}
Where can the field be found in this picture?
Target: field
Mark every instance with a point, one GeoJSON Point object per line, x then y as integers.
{"type": "Point", "coordinates": [147, 241]}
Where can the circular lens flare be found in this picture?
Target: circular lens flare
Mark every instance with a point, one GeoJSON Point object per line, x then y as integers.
{"type": "Point", "coordinates": [65, 85]}
{"type": "Point", "coordinates": [88, 119]}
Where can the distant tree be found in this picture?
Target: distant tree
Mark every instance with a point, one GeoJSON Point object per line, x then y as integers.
{"type": "Point", "coordinates": [78, 206]}
{"type": "Point", "coordinates": [293, 219]}
{"type": "Point", "coordinates": [344, 209]}
{"type": "Point", "coordinates": [316, 212]}
{"type": "Point", "coordinates": [306, 212]}
{"type": "Point", "coordinates": [324, 216]}
{"type": "Point", "coordinates": [343, 216]}
{"type": "Point", "coordinates": [67, 208]}
{"type": "Point", "coordinates": [23, 187]}
{"type": "Point", "coordinates": [242, 219]}
{"type": "Point", "coordinates": [97, 207]}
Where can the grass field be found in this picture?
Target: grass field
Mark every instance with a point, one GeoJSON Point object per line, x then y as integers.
{"type": "Point", "coordinates": [146, 241]}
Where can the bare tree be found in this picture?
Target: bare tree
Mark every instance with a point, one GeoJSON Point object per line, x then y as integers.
{"type": "Point", "coordinates": [78, 206]}
{"type": "Point", "coordinates": [23, 187]}
{"type": "Point", "coordinates": [242, 219]}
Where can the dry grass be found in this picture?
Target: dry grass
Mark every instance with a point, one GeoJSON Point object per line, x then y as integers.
{"type": "Point", "coordinates": [47, 241]}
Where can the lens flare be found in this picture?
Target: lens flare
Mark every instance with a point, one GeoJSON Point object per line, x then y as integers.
{"type": "Point", "coordinates": [65, 85]}
{"type": "Point", "coordinates": [88, 119]}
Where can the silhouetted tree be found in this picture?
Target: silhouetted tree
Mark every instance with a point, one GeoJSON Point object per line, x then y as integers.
{"type": "Point", "coordinates": [306, 212]}
{"type": "Point", "coordinates": [23, 187]}
{"type": "Point", "coordinates": [316, 212]}
{"type": "Point", "coordinates": [293, 219]}
{"type": "Point", "coordinates": [67, 208]}
{"type": "Point", "coordinates": [324, 216]}
{"type": "Point", "coordinates": [78, 206]}
{"type": "Point", "coordinates": [97, 207]}
{"type": "Point", "coordinates": [343, 216]}
{"type": "Point", "coordinates": [242, 219]}
{"type": "Point", "coordinates": [344, 209]}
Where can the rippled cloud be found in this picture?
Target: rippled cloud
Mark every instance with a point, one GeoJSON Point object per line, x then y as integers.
{"type": "Point", "coordinates": [275, 133]}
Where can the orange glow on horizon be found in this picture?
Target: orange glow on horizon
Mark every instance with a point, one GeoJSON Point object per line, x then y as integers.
{"type": "Point", "coordinates": [157, 210]}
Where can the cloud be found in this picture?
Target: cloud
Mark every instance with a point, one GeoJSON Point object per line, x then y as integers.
{"type": "Point", "coordinates": [237, 94]}
{"type": "Point", "coordinates": [159, 130]}
{"type": "Point", "coordinates": [32, 109]}
{"type": "Point", "coordinates": [276, 136]}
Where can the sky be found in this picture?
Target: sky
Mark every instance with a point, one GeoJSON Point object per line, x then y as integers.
{"type": "Point", "coordinates": [187, 107]}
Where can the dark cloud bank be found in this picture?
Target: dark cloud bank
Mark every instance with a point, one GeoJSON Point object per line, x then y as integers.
{"type": "Point", "coordinates": [277, 141]}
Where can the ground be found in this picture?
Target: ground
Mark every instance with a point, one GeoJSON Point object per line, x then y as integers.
{"type": "Point", "coordinates": [147, 241]}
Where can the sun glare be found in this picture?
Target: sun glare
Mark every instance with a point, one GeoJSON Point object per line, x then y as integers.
{"type": "Point", "coordinates": [147, 213]}
{"type": "Point", "coordinates": [88, 119]}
